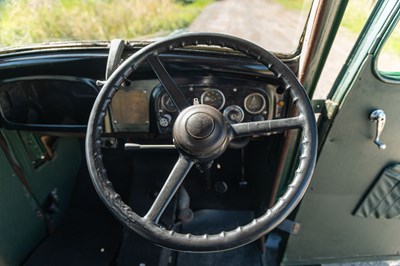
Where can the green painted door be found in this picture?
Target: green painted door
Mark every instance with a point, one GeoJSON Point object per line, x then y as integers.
{"type": "Point", "coordinates": [351, 211]}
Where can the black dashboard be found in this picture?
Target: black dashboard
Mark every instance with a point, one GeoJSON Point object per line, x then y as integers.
{"type": "Point", "coordinates": [54, 91]}
{"type": "Point", "coordinates": [239, 100]}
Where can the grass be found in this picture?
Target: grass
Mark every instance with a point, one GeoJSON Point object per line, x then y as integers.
{"type": "Point", "coordinates": [35, 21]}
{"type": "Point", "coordinates": [354, 18]}
{"type": "Point", "coordinates": [393, 44]}
{"type": "Point", "coordinates": [295, 4]}
{"type": "Point", "coordinates": [356, 15]}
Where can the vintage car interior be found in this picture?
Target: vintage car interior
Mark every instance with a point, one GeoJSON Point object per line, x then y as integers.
{"type": "Point", "coordinates": [197, 149]}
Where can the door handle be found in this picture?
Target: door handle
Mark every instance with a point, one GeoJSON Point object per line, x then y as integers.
{"type": "Point", "coordinates": [378, 116]}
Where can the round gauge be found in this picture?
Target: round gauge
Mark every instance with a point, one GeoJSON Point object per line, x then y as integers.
{"type": "Point", "coordinates": [234, 114]}
{"type": "Point", "coordinates": [254, 103]}
{"type": "Point", "coordinates": [167, 104]}
{"type": "Point", "coordinates": [213, 97]}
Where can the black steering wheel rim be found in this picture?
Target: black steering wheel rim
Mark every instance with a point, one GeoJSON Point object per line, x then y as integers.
{"type": "Point", "coordinates": [243, 234]}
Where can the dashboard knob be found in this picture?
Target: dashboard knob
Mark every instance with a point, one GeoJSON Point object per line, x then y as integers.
{"type": "Point", "coordinates": [165, 120]}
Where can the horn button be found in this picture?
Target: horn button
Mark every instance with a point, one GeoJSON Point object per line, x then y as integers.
{"type": "Point", "coordinates": [200, 125]}
{"type": "Point", "coordinates": [200, 132]}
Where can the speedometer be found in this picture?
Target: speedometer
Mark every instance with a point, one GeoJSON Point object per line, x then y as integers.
{"type": "Point", "coordinates": [214, 98]}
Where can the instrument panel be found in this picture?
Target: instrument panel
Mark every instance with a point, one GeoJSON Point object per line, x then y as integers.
{"type": "Point", "coordinates": [238, 104]}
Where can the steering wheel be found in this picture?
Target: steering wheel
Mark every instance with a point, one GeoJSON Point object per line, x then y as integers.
{"type": "Point", "coordinates": [201, 134]}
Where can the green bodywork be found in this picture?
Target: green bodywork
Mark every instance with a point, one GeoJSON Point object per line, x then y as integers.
{"type": "Point", "coordinates": [348, 166]}
{"type": "Point", "coordinates": [349, 162]}
{"type": "Point", "coordinates": [22, 226]}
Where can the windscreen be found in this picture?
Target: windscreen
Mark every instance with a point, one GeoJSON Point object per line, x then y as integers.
{"type": "Point", "coordinates": [275, 25]}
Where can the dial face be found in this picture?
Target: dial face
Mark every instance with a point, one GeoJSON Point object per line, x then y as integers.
{"type": "Point", "coordinates": [213, 97]}
{"type": "Point", "coordinates": [254, 103]}
{"type": "Point", "coordinates": [167, 104]}
{"type": "Point", "coordinates": [234, 114]}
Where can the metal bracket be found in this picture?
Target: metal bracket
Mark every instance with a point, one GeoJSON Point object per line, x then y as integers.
{"type": "Point", "coordinates": [318, 105]}
{"type": "Point", "coordinates": [109, 142]}
{"type": "Point", "coordinates": [36, 149]}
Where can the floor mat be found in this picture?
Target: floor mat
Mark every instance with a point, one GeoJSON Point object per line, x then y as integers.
{"type": "Point", "coordinates": [136, 250]}
{"type": "Point", "coordinates": [82, 239]}
{"type": "Point", "coordinates": [215, 221]}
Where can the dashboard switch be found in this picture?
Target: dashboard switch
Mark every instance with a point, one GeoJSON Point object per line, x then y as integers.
{"type": "Point", "coordinates": [165, 120]}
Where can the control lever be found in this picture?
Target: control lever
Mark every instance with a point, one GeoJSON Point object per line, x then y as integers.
{"type": "Point", "coordinates": [379, 117]}
{"type": "Point", "coordinates": [136, 146]}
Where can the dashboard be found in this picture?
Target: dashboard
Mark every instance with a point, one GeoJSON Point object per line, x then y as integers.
{"type": "Point", "coordinates": [238, 100]}
{"type": "Point", "coordinates": [49, 93]}
{"type": "Point", "coordinates": [145, 106]}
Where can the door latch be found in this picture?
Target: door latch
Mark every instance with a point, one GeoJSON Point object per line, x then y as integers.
{"type": "Point", "coordinates": [379, 117]}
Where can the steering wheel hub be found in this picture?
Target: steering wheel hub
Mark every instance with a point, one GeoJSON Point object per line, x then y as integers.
{"type": "Point", "coordinates": [200, 125]}
{"type": "Point", "coordinates": [200, 131]}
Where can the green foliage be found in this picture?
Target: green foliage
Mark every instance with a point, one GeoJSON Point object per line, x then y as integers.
{"type": "Point", "coordinates": [354, 18]}
{"type": "Point", "coordinates": [35, 21]}
{"type": "Point", "coordinates": [389, 58]}
{"type": "Point", "coordinates": [393, 43]}
{"type": "Point", "coordinates": [356, 15]}
{"type": "Point", "coordinates": [295, 4]}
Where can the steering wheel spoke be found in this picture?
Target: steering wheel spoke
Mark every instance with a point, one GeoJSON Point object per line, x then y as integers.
{"type": "Point", "coordinates": [169, 84]}
{"type": "Point", "coordinates": [174, 180]}
{"type": "Point", "coordinates": [262, 127]}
